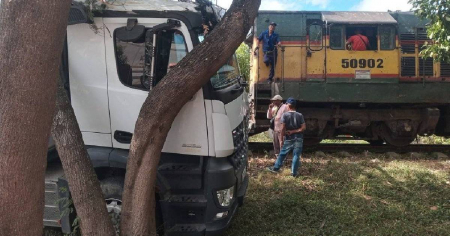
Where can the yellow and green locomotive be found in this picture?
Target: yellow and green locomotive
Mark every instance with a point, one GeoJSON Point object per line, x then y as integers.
{"type": "Point", "coordinates": [386, 93]}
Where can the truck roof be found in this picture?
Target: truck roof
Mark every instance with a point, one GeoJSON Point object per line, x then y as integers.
{"type": "Point", "coordinates": [154, 5]}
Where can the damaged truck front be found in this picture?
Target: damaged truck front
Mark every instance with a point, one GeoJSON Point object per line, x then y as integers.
{"type": "Point", "coordinates": [109, 66]}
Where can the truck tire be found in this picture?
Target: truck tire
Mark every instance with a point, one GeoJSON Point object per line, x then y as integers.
{"type": "Point", "coordinates": [112, 188]}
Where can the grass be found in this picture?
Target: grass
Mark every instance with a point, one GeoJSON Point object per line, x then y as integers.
{"type": "Point", "coordinates": [261, 137]}
{"type": "Point", "coordinates": [370, 195]}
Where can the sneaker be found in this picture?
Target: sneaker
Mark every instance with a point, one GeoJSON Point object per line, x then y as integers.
{"type": "Point", "coordinates": [295, 175]}
{"type": "Point", "coordinates": [272, 169]}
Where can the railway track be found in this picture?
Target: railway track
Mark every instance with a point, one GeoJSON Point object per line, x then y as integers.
{"type": "Point", "coordinates": [327, 147]}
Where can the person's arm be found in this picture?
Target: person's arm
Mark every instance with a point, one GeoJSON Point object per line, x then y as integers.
{"type": "Point", "coordinates": [261, 36]}
{"type": "Point", "coordinates": [302, 126]}
{"type": "Point", "coordinates": [269, 112]}
{"type": "Point", "coordinates": [278, 40]}
{"type": "Point", "coordinates": [299, 130]}
{"type": "Point", "coordinates": [283, 131]}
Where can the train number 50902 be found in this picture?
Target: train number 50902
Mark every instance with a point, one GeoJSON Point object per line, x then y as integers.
{"type": "Point", "coordinates": [362, 63]}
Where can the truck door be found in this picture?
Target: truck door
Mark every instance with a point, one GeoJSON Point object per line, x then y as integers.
{"type": "Point", "coordinates": [315, 56]}
{"type": "Point", "coordinates": [129, 65]}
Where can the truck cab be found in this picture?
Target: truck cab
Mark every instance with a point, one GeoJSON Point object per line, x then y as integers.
{"type": "Point", "coordinates": [109, 67]}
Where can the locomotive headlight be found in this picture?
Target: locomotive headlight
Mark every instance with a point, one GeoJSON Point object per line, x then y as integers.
{"type": "Point", "coordinates": [225, 196]}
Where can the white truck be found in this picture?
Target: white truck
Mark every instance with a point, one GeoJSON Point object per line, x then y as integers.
{"type": "Point", "coordinates": [108, 71]}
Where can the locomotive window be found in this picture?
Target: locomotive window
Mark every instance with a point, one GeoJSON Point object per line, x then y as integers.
{"type": "Point", "coordinates": [337, 37]}
{"type": "Point", "coordinates": [369, 31]}
{"type": "Point", "coordinates": [315, 37]}
{"type": "Point", "coordinates": [387, 37]}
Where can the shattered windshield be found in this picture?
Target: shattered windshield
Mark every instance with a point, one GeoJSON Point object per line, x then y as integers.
{"type": "Point", "coordinates": [227, 75]}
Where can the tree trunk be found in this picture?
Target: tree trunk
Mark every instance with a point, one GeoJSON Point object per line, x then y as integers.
{"type": "Point", "coordinates": [31, 41]}
{"type": "Point", "coordinates": [163, 104]}
{"type": "Point", "coordinates": [83, 183]}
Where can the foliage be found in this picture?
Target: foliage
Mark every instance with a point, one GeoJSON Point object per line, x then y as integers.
{"type": "Point", "coordinates": [370, 195]}
{"type": "Point", "coordinates": [438, 12]}
{"type": "Point", "coordinates": [243, 56]}
{"type": "Point", "coordinates": [433, 139]}
{"type": "Point", "coordinates": [261, 137]}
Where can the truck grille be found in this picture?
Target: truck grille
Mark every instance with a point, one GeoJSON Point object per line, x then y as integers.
{"type": "Point", "coordinates": [240, 140]}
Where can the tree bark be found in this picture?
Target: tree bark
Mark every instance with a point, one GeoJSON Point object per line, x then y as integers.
{"type": "Point", "coordinates": [83, 183]}
{"type": "Point", "coordinates": [31, 41]}
{"type": "Point", "coordinates": [163, 104]}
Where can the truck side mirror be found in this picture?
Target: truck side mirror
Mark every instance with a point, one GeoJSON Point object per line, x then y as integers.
{"type": "Point", "coordinates": [131, 33]}
{"type": "Point", "coordinates": [78, 14]}
{"type": "Point", "coordinates": [243, 81]}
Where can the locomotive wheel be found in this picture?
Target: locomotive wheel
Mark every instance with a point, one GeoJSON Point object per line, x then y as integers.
{"type": "Point", "coordinates": [377, 142]}
{"type": "Point", "coordinates": [395, 141]}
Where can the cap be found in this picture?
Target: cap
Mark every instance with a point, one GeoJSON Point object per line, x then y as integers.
{"type": "Point", "coordinates": [292, 101]}
{"type": "Point", "coordinates": [276, 98]}
{"type": "Point", "coordinates": [273, 23]}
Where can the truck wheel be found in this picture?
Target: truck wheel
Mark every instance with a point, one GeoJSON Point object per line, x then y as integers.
{"type": "Point", "coordinates": [112, 189]}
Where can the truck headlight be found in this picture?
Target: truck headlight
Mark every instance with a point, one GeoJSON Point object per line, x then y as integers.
{"type": "Point", "coordinates": [225, 196]}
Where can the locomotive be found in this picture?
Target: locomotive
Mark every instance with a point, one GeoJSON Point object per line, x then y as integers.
{"type": "Point", "coordinates": [387, 93]}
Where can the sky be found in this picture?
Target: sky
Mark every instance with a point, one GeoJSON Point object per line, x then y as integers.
{"type": "Point", "coordinates": [328, 5]}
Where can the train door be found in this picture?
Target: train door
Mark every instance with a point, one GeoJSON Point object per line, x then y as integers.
{"type": "Point", "coordinates": [315, 55]}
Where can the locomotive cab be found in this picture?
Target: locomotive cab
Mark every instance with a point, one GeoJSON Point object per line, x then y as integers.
{"type": "Point", "coordinates": [377, 63]}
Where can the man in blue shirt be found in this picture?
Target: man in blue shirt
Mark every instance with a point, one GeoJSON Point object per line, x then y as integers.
{"type": "Point", "coordinates": [293, 127]}
{"type": "Point", "coordinates": [270, 40]}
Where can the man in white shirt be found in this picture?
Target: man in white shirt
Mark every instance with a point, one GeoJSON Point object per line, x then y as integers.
{"type": "Point", "coordinates": [275, 111]}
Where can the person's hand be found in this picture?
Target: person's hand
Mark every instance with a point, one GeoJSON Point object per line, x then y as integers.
{"type": "Point", "coordinates": [271, 106]}
{"type": "Point", "coordinates": [289, 132]}
{"type": "Point", "coordinates": [256, 50]}
{"type": "Point", "coordinates": [349, 47]}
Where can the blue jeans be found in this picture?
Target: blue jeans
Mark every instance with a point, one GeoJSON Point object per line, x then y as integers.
{"type": "Point", "coordinates": [296, 145]}
{"type": "Point", "coordinates": [270, 59]}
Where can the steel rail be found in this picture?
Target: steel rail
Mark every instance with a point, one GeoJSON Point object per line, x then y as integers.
{"type": "Point", "coordinates": [332, 147]}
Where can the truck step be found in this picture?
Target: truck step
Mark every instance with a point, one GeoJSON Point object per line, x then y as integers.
{"type": "Point", "coordinates": [52, 223]}
{"type": "Point", "coordinates": [51, 186]}
{"type": "Point", "coordinates": [187, 229]}
{"type": "Point", "coordinates": [51, 198]}
{"type": "Point", "coordinates": [51, 210]}
{"type": "Point", "coordinates": [51, 214]}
